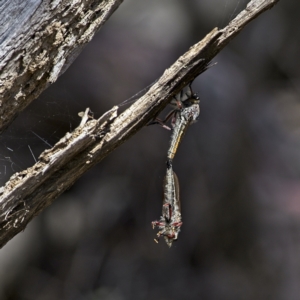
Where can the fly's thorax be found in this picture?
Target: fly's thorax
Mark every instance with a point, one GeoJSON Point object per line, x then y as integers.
{"type": "Point", "coordinates": [191, 101]}
{"type": "Point", "coordinates": [190, 113]}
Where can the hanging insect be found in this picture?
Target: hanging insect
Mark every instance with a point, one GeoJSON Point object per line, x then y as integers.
{"type": "Point", "coordinates": [170, 221]}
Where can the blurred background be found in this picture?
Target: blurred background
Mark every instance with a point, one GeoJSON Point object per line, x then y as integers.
{"type": "Point", "coordinates": [238, 166]}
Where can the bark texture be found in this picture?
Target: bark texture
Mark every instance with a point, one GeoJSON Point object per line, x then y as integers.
{"type": "Point", "coordinates": [39, 39]}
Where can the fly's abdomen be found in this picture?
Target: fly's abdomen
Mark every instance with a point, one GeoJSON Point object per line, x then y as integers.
{"type": "Point", "coordinates": [177, 135]}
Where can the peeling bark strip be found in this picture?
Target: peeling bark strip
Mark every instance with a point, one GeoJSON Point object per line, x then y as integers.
{"type": "Point", "coordinates": [27, 193]}
{"type": "Point", "coordinates": [39, 39]}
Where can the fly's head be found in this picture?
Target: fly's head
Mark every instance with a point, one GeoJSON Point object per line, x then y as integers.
{"type": "Point", "coordinates": [188, 97]}
{"type": "Point", "coordinates": [194, 99]}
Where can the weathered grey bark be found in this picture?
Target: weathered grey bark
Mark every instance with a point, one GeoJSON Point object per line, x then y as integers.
{"type": "Point", "coordinates": [27, 193]}
{"type": "Point", "coordinates": [39, 39]}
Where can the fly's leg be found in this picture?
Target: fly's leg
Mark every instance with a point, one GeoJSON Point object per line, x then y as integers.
{"type": "Point", "coordinates": [160, 122]}
{"type": "Point", "coordinates": [177, 224]}
{"type": "Point", "coordinates": [161, 225]}
{"type": "Point", "coordinates": [171, 115]}
{"type": "Point", "coordinates": [158, 224]}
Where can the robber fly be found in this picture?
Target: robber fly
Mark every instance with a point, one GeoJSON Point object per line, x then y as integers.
{"type": "Point", "coordinates": [186, 111]}
{"type": "Point", "coordinates": [170, 221]}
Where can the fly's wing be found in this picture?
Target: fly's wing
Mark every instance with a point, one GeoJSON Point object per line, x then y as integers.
{"type": "Point", "coordinates": [184, 96]}
{"type": "Point", "coordinates": [177, 196]}
{"type": "Point", "coordinates": [186, 93]}
{"type": "Point", "coordinates": [138, 94]}
{"type": "Point", "coordinates": [176, 102]}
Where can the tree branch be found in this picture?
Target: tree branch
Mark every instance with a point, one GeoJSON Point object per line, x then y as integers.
{"type": "Point", "coordinates": [27, 193]}
{"type": "Point", "coordinates": [39, 40]}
